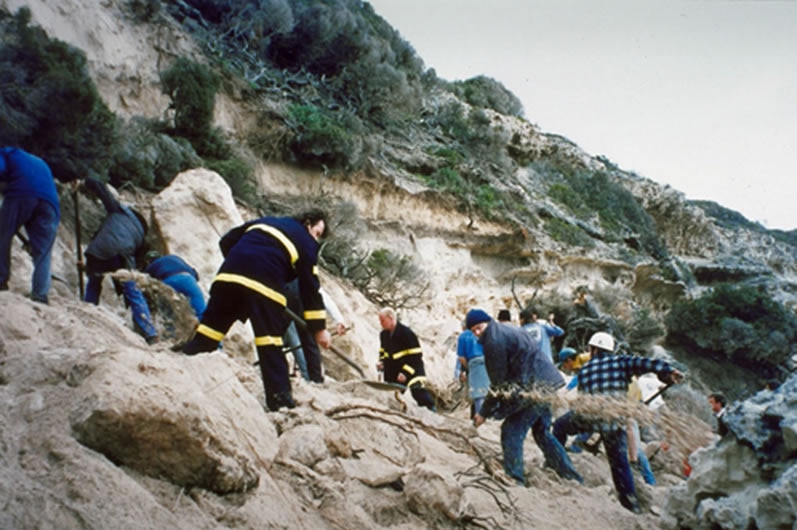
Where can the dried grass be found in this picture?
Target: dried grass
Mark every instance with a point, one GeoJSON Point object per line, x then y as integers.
{"type": "Point", "coordinates": [684, 432]}
{"type": "Point", "coordinates": [172, 313]}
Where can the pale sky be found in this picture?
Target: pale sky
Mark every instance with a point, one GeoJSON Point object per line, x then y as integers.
{"type": "Point", "coordinates": [700, 95]}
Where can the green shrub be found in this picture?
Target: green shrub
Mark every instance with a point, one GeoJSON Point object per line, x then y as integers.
{"type": "Point", "coordinates": [324, 138]}
{"type": "Point", "coordinates": [733, 220]}
{"type": "Point", "coordinates": [488, 202]}
{"type": "Point", "coordinates": [739, 322]}
{"type": "Point", "coordinates": [451, 156]}
{"type": "Point", "coordinates": [48, 103]}
{"type": "Point", "coordinates": [642, 330]}
{"type": "Point", "coordinates": [149, 159]}
{"type": "Point", "coordinates": [447, 179]}
{"type": "Point", "coordinates": [145, 10]}
{"type": "Point", "coordinates": [451, 119]}
{"type": "Point", "coordinates": [341, 253]}
{"type": "Point", "coordinates": [192, 89]}
{"type": "Point", "coordinates": [237, 172]}
{"type": "Point", "coordinates": [567, 233]}
{"type": "Point", "coordinates": [389, 279]}
{"type": "Point", "coordinates": [564, 195]}
{"type": "Point", "coordinates": [485, 92]}
{"type": "Point", "coordinates": [588, 194]}
{"type": "Point", "coordinates": [371, 70]}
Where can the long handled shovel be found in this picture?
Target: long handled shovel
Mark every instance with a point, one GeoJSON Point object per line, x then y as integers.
{"type": "Point", "coordinates": [77, 239]}
{"type": "Point", "coordinates": [659, 392]}
{"type": "Point", "coordinates": [300, 322]}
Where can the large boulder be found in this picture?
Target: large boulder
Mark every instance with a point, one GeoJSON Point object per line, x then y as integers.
{"type": "Point", "coordinates": [165, 417]}
{"type": "Point", "coordinates": [196, 200]}
{"type": "Point", "coordinates": [748, 478]}
{"type": "Point", "coordinates": [190, 217]}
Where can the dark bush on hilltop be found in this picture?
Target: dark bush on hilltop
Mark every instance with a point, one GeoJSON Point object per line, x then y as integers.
{"type": "Point", "coordinates": [48, 103]}
{"type": "Point", "coordinates": [739, 322]}
{"type": "Point", "coordinates": [732, 219]}
{"type": "Point", "coordinates": [363, 60]}
{"type": "Point", "coordinates": [487, 93]}
{"type": "Point", "coordinates": [339, 49]}
{"type": "Point", "coordinates": [726, 217]}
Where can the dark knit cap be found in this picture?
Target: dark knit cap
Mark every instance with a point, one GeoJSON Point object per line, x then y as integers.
{"type": "Point", "coordinates": [476, 316]}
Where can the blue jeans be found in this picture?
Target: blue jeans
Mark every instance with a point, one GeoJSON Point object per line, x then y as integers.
{"type": "Point", "coordinates": [477, 405]}
{"type": "Point", "coordinates": [306, 353]}
{"type": "Point", "coordinates": [292, 340]}
{"type": "Point", "coordinates": [134, 298]}
{"type": "Point", "coordinates": [186, 285]}
{"type": "Point", "coordinates": [40, 220]}
{"type": "Point", "coordinates": [615, 441]}
{"type": "Point", "coordinates": [514, 429]}
{"type": "Point", "coordinates": [642, 458]}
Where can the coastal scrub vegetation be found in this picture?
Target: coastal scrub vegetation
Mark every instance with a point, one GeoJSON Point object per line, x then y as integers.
{"type": "Point", "coordinates": [48, 103]}
{"type": "Point", "coordinates": [739, 322]}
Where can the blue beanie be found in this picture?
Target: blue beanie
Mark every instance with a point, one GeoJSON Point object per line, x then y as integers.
{"type": "Point", "coordinates": [476, 316]}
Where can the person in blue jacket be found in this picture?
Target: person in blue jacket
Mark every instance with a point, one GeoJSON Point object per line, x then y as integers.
{"type": "Point", "coordinates": [114, 246]}
{"type": "Point", "coordinates": [30, 200]}
{"type": "Point", "coordinates": [261, 257]}
{"type": "Point", "coordinates": [541, 330]}
{"type": "Point", "coordinates": [470, 361]}
{"type": "Point", "coordinates": [516, 366]}
{"type": "Point", "coordinates": [175, 272]}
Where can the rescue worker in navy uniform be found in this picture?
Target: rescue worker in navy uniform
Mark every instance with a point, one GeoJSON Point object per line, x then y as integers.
{"type": "Point", "coordinates": [261, 257]}
{"type": "Point", "coordinates": [400, 357]}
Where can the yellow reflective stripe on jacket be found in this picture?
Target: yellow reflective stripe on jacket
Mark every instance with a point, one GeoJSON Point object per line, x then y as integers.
{"type": "Point", "coordinates": [268, 340]}
{"type": "Point", "coordinates": [318, 314]}
{"type": "Point", "coordinates": [409, 369]}
{"type": "Point", "coordinates": [420, 379]}
{"type": "Point", "coordinates": [210, 333]}
{"type": "Point", "coordinates": [249, 283]}
{"type": "Point", "coordinates": [402, 353]}
{"type": "Point", "coordinates": [315, 270]}
{"type": "Point", "coordinates": [383, 354]}
{"type": "Point", "coordinates": [279, 236]}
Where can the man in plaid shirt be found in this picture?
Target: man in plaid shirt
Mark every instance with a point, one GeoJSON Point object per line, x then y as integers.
{"type": "Point", "coordinates": [610, 374]}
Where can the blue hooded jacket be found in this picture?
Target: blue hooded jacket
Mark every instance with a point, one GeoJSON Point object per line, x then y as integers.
{"type": "Point", "coordinates": [27, 175]}
{"type": "Point", "coordinates": [515, 364]}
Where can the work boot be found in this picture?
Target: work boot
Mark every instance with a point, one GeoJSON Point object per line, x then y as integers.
{"type": "Point", "coordinates": [4, 286]}
{"type": "Point", "coordinates": [274, 402]}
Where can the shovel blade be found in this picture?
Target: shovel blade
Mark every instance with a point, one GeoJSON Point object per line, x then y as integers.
{"type": "Point", "coordinates": [382, 385]}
